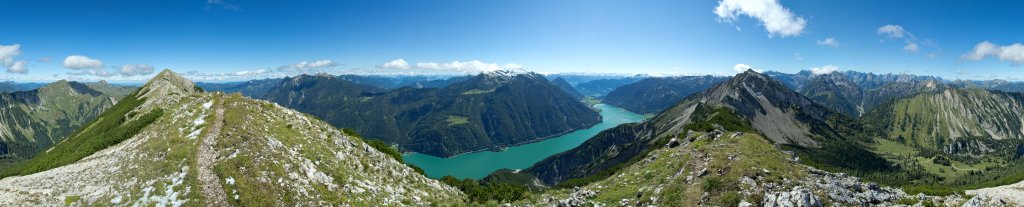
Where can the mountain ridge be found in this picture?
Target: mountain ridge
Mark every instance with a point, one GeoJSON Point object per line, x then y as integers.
{"type": "Point", "coordinates": [260, 154]}
{"type": "Point", "coordinates": [33, 120]}
{"type": "Point", "coordinates": [483, 112]}
{"type": "Point", "coordinates": [782, 115]}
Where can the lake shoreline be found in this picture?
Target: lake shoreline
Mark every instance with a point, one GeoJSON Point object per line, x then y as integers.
{"type": "Point", "coordinates": [479, 164]}
{"type": "Point", "coordinates": [600, 119]}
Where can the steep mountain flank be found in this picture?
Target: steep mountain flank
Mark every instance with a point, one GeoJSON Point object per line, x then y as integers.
{"type": "Point", "coordinates": [838, 92]}
{"type": "Point", "coordinates": [565, 86]}
{"type": "Point", "coordinates": [782, 115]}
{"type": "Point", "coordinates": [487, 111]}
{"type": "Point", "coordinates": [952, 119]}
{"type": "Point", "coordinates": [31, 121]}
{"type": "Point", "coordinates": [651, 95]}
{"type": "Point", "coordinates": [203, 149]}
{"type": "Point", "coordinates": [725, 168]}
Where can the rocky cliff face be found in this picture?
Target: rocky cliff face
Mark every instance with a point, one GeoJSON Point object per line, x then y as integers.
{"type": "Point", "coordinates": [854, 93]}
{"type": "Point", "coordinates": [216, 149]}
{"type": "Point", "coordinates": [946, 120]}
{"type": "Point", "coordinates": [783, 115]}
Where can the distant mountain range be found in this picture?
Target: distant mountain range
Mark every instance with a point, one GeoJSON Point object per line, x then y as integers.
{"type": "Point", "coordinates": [10, 86]}
{"type": "Point", "coordinates": [651, 95]}
{"type": "Point", "coordinates": [482, 112]}
{"type": "Point", "coordinates": [255, 88]}
{"type": "Point", "coordinates": [249, 88]}
{"type": "Point", "coordinates": [31, 121]}
{"type": "Point", "coordinates": [849, 92]}
{"type": "Point", "coordinates": [601, 87]}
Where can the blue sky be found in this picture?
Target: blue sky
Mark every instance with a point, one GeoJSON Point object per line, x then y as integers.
{"type": "Point", "coordinates": [237, 39]}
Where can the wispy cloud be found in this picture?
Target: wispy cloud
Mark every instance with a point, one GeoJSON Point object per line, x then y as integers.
{"type": "Point", "coordinates": [462, 67]}
{"type": "Point", "coordinates": [824, 70]}
{"type": "Point", "coordinates": [912, 45]}
{"type": "Point", "coordinates": [222, 4]}
{"type": "Point", "coordinates": [739, 68]}
{"type": "Point", "coordinates": [238, 75]}
{"type": "Point", "coordinates": [777, 20]}
{"type": "Point", "coordinates": [468, 66]}
{"type": "Point", "coordinates": [831, 42]}
{"type": "Point", "coordinates": [135, 70]}
{"type": "Point", "coordinates": [894, 31]}
{"type": "Point", "coordinates": [7, 54]}
{"type": "Point", "coordinates": [306, 66]}
{"type": "Point", "coordinates": [1010, 53]}
{"type": "Point", "coordinates": [395, 64]}
{"type": "Point", "coordinates": [78, 62]}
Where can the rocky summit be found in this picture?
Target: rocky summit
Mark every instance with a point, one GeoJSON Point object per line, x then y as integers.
{"type": "Point", "coordinates": [212, 149]}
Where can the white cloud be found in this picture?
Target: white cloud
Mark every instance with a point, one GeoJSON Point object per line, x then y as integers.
{"type": "Point", "coordinates": [18, 67]}
{"type": "Point", "coordinates": [777, 20]}
{"type": "Point", "coordinates": [100, 72]}
{"type": "Point", "coordinates": [7, 54]}
{"type": "Point", "coordinates": [798, 57]}
{"type": "Point", "coordinates": [741, 67]}
{"type": "Point", "coordinates": [898, 32]}
{"type": "Point", "coordinates": [911, 47]}
{"type": "Point", "coordinates": [222, 4]}
{"type": "Point", "coordinates": [469, 66]}
{"type": "Point", "coordinates": [321, 64]}
{"type": "Point", "coordinates": [1011, 53]}
{"type": "Point", "coordinates": [77, 62]}
{"type": "Point", "coordinates": [824, 70]}
{"type": "Point", "coordinates": [304, 66]}
{"type": "Point", "coordinates": [396, 64]}
{"type": "Point", "coordinates": [135, 70]}
{"type": "Point", "coordinates": [513, 66]}
{"type": "Point", "coordinates": [831, 42]}
{"type": "Point", "coordinates": [250, 72]}
{"type": "Point", "coordinates": [893, 31]}
{"type": "Point", "coordinates": [239, 75]}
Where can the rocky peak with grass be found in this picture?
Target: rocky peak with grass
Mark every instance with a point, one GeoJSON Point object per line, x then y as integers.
{"type": "Point", "coordinates": [170, 144]}
{"type": "Point", "coordinates": [168, 83]}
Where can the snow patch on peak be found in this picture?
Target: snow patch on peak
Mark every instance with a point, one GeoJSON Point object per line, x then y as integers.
{"type": "Point", "coordinates": [508, 72]}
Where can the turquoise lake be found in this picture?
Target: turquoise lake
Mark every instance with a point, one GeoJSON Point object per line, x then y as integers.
{"type": "Point", "coordinates": [479, 164]}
